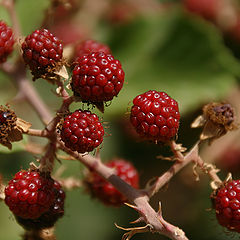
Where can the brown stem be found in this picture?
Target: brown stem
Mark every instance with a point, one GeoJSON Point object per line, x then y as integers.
{"type": "Point", "coordinates": [67, 100]}
{"type": "Point", "coordinates": [138, 197]}
{"type": "Point", "coordinates": [47, 161]}
{"type": "Point", "coordinates": [177, 153]}
{"type": "Point", "coordinates": [25, 89]}
{"type": "Point", "coordinates": [191, 156]}
{"type": "Point", "coordinates": [37, 133]}
{"type": "Point", "coordinates": [10, 6]}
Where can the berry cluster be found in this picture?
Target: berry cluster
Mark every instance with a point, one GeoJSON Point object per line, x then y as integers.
{"type": "Point", "coordinates": [155, 116]}
{"type": "Point", "coordinates": [82, 131]}
{"type": "Point", "coordinates": [42, 50]}
{"type": "Point", "coordinates": [104, 190]}
{"type": "Point", "coordinates": [97, 77]}
{"type": "Point", "coordinates": [35, 199]}
{"type": "Point", "coordinates": [226, 202]}
{"type": "Point", "coordinates": [6, 41]}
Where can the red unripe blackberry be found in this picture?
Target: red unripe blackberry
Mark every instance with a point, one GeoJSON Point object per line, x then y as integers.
{"type": "Point", "coordinates": [81, 131]}
{"type": "Point", "coordinates": [104, 190]}
{"type": "Point", "coordinates": [97, 77]}
{"type": "Point", "coordinates": [208, 9]}
{"type": "Point", "coordinates": [6, 41]}
{"type": "Point", "coordinates": [229, 160]}
{"type": "Point", "coordinates": [67, 31]}
{"type": "Point", "coordinates": [49, 218]}
{"type": "Point", "coordinates": [155, 116]}
{"type": "Point", "coordinates": [226, 202]}
{"type": "Point", "coordinates": [234, 31]}
{"type": "Point", "coordinates": [89, 46]}
{"type": "Point", "coordinates": [41, 50]}
{"type": "Point", "coordinates": [30, 194]}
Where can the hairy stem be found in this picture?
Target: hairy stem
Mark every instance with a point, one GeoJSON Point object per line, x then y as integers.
{"type": "Point", "coordinates": [138, 197]}
{"type": "Point", "coordinates": [191, 157]}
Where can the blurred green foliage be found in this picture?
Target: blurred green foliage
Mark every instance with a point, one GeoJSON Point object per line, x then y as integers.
{"type": "Point", "coordinates": [171, 51]}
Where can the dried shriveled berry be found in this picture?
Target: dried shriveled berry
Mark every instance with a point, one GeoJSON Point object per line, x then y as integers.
{"type": "Point", "coordinates": [97, 77]}
{"type": "Point", "coordinates": [226, 202]}
{"type": "Point", "coordinates": [220, 113]}
{"type": "Point", "coordinates": [49, 218]}
{"type": "Point", "coordinates": [105, 191]}
{"type": "Point", "coordinates": [30, 194]}
{"type": "Point", "coordinates": [6, 41]}
{"type": "Point", "coordinates": [155, 116]}
{"type": "Point", "coordinates": [7, 126]}
{"type": "Point", "coordinates": [81, 131]}
{"type": "Point", "coordinates": [42, 52]}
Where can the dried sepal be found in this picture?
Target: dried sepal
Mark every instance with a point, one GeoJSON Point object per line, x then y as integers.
{"type": "Point", "coordinates": [23, 125]}
{"type": "Point", "coordinates": [62, 72]}
{"type": "Point", "coordinates": [198, 122]}
{"type": "Point", "coordinates": [51, 73]}
{"type": "Point", "coordinates": [132, 231]}
{"type": "Point", "coordinates": [217, 119]}
{"type": "Point", "coordinates": [171, 159]}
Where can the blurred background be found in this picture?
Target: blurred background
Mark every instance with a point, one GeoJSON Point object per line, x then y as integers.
{"type": "Point", "coordinates": [191, 50]}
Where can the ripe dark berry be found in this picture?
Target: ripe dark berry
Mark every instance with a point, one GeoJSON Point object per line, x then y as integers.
{"type": "Point", "coordinates": [104, 190]}
{"type": "Point", "coordinates": [89, 46]}
{"type": "Point", "coordinates": [30, 194]}
{"type": "Point", "coordinates": [155, 116]}
{"type": "Point", "coordinates": [49, 218]}
{"type": "Point", "coordinates": [41, 50]}
{"type": "Point", "coordinates": [226, 202]}
{"type": "Point", "coordinates": [97, 77]}
{"type": "Point", "coordinates": [81, 131]}
{"type": "Point", "coordinates": [208, 9]}
{"type": "Point", "coordinates": [6, 41]}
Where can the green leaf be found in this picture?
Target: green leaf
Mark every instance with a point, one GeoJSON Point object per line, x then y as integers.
{"type": "Point", "coordinates": [176, 53]}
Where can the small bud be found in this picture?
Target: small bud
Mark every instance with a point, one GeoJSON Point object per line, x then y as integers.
{"type": "Point", "coordinates": [217, 119]}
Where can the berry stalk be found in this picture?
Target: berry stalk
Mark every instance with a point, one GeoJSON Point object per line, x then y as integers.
{"type": "Point", "coordinates": [138, 197]}
{"type": "Point", "coordinates": [26, 90]}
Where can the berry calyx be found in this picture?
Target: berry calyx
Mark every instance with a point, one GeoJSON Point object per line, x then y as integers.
{"type": "Point", "coordinates": [42, 51]}
{"type": "Point", "coordinates": [30, 194]}
{"type": "Point", "coordinates": [105, 191]}
{"type": "Point", "coordinates": [226, 202]}
{"type": "Point", "coordinates": [6, 41]}
{"type": "Point", "coordinates": [97, 77]}
{"type": "Point", "coordinates": [81, 131]}
{"type": "Point", "coordinates": [88, 46]}
{"type": "Point", "coordinates": [49, 218]}
{"type": "Point", "coordinates": [155, 116]}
